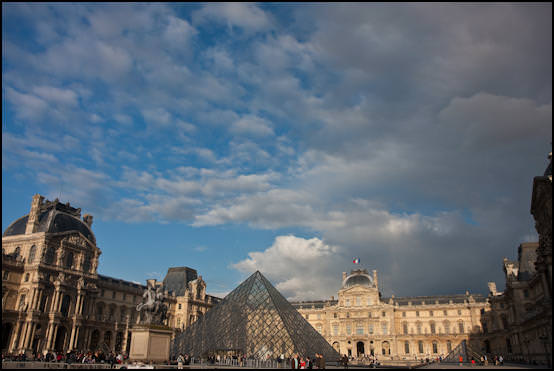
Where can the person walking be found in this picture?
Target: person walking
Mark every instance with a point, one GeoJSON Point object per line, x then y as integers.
{"type": "Point", "coordinates": [461, 359]}
{"type": "Point", "coordinates": [321, 362]}
{"type": "Point", "coordinates": [180, 361]}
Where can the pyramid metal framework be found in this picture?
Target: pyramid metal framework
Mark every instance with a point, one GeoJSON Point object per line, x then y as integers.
{"type": "Point", "coordinates": [464, 350]}
{"type": "Point", "coordinates": [254, 320]}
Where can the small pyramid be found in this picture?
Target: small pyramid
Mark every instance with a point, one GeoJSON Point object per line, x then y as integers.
{"type": "Point", "coordinates": [462, 350]}
{"type": "Point", "coordinates": [254, 320]}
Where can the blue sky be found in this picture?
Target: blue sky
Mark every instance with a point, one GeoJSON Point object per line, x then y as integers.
{"type": "Point", "coordinates": [285, 138]}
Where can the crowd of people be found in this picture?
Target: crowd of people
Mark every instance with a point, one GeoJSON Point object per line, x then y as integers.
{"type": "Point", "coordinates": [297, 361]}
{"type": "Point", "coordinates": [69, 357]}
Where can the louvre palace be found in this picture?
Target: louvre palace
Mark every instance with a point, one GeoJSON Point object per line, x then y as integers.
{"type": "Point", "coordinates": [53, 298]}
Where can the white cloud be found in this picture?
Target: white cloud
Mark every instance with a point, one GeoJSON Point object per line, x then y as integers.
{"type": "Point", "coordinates": [179, 32]}
{"type": "Point", "coordinates": [246, 16]}
{"type": "Point", "coordinates": [252, 125]}
{"type": "Point", "coordinates": [56, 95]}
{"type": "Point", "coordinates": [297, 267]}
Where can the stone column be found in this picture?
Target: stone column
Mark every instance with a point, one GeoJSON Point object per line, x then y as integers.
{"type": "Point", "coordinates": [51, 330]}
{"type": "Point", "coordinates": [72, 336]}
{"type": "Point", "coordinates": [23, 337]}
{"type": "Point", "coordinates": [15, 337]}
{"type": "Point", "coordinates": [30, 334]}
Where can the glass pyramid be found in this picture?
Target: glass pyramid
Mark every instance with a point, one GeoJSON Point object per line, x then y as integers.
{"type": "Point", "coordinates": [254, 320]}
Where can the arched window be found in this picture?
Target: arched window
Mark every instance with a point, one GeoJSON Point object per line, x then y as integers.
{"type": "Point", "coordinates": [27, 276]}
{"type": "Point", "coordinates": [69, 260]}
{"type": "Point", "coordinates": [32, 253]}
{"type": "Point", "coordinates": [108, 338]}
{"type": "Point", "coordinates": [49, 256]}
{"type": "Point", "coordinates": [17, 251]}
{"type": "Point", "coordinates": [420, 346]}
{"type": "Point", "coordinates": [118, 341]}
{"type": "Point", "coordinates": [435, 347]}
{"type": "Point", "coordinates": [386, 348]}
{"type": "Point", "coordinates": [407, 347]}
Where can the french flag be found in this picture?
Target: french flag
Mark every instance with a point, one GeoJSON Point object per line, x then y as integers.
{"type": "Point", "coordinates": [356, 261]}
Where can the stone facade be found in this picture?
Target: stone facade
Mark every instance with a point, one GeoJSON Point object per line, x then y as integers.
{"type": "Point", "coordinates": [519, 322]}
{"type": "Point", "coordinates": [362, 323]}
{"type": "Point", "coordinates": [54, 299]}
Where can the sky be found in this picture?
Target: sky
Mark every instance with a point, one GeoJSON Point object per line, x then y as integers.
{"type": "Point", "coordinates": [285, 138]}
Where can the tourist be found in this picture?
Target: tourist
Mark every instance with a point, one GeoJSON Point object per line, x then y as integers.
{"type": "Point", "coordinates": [344, 361]}
{"type": "Point", "coordinates": [501, 360]}
{"type": "Point", "coordinates": [180, 361]}
{"type": "Point", "coordinates": [321, 362]}
{"type": "Point", "coordinates": [302, 363]}
{"type": "Point", "coordinates": [461, 359]}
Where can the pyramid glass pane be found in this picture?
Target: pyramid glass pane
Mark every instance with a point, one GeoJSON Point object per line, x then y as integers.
{"type": "Point", "coordinates": [254, 320]}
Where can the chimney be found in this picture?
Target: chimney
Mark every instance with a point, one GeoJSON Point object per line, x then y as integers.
{"type": "Point", "coordinates": [375, 278]}
{"type": "Point", "coordinates": [32, 221]}
{"type": "Point", "coordinates": [87, 218]}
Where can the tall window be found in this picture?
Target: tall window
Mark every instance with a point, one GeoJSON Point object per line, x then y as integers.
{"type": "Point", "coordinates": [417, 313]}
{"type": "Point", "coordinates": [319, 328]}
{"type": "Point", "coordinates": [359, 328]}
{"type": "Point", "coordinates": [49, 256]}
{"type": "Point", "coordinates": [430, 313]}
{"type": "Point", "coordinates": [66, 301]}
{"type": "Point", "coordinates": [368, 301]}
{"type": "Point", "coordinates": [87, 262]}
{"type": "Point", "coordinates": [446, 327]}
{"type": "Point", "coordinates": [432, 326]}
{"type": "Point", "coordinates": [418, 326]}
{"type": "Point", "coordinates": [461, 327]}
{"type": "Point", "coordinates": [435, 347]}
{"type": "Point", "coordinates": [347, 302]}
{"type": "Point", "coordinates": [17, 251]}
{"type": "Point", "coordinates": [69, 260]}
{"type": "Point", "coordinates": [358, 301]}
{"type": "Point", "coordinates": [405, 328]}
{"type": "Point", "coordinates": [371, 328]}
{"type": "Point", "coordinates": [407, 347]}
{"type": "Point", "coordinates": [448, 346]}
{"type": "Point", "coordinates": [335, 329]}
{"type": "Point", "coordinates": [32, 254]}
{"type": "Point", "coordinates": [348, 329]}
{"type": "Point", "coordinates": [384, 328]}
{"type": "Point", "coordinates": [403, 314]}
{"type": "Point", "coordinates": [420, 346]}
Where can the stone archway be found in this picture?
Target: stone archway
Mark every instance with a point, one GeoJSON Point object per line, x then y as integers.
{"type": "Point", "coordinates": [6, 334]}
{"type": "Point", "coordinates": [336, 346]}
{"type": "Point", "coordinates": [360, 348]}
{"type": "Point", "coordinates": [60, 339]}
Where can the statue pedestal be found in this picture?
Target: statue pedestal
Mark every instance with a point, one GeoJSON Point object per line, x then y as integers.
{"type": "Point", "coordinates": [150, 343]}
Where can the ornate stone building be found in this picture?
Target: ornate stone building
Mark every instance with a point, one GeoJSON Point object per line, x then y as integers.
{"type": "Point", "coordinates": [54, 299]}
{"type": "Point", "coordinates": [360, 322]}
{"type": "Point", "coordinates": [519, 322]}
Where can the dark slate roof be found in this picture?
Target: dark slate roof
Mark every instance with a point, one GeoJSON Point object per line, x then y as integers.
{"type": "Point", "coordinates": [177, 279]}
{"type": "Point", "coordinates": [53, 220]}
{"type": "Point", "coordinates": [441, 299]}
{"type": "Point", "coordinates": [119, 281]}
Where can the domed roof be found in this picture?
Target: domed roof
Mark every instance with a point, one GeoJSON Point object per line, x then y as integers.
{"type": "Point", "coordinates": [358, 278]}
{"type": "Point", "coordinates": [52, 220]}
